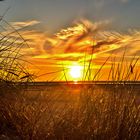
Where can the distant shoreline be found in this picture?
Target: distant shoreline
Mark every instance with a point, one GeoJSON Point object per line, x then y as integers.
{"type": "Point", "coordinates": [83, 82]}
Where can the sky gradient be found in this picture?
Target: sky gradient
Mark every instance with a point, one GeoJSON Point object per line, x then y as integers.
{"type": "Point", "coordinates": [61, 33]}
{"type": "Point", "coordinates": [56, 14]}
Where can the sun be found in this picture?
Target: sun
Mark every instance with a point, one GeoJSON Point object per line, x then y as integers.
{"type": "Point", "coordinates": [76, 72]}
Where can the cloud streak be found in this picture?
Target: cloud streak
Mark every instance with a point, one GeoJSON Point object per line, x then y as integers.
{"type": "Point", "coordinates": [83, 37]}
{"type": "Point", "coordinates": [23, 24]}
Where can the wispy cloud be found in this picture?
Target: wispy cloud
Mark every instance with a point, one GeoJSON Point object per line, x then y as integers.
{"type": "Point", "coordinates": [83, 36]}
{"type": "Point", "coordinates": [23, 24]}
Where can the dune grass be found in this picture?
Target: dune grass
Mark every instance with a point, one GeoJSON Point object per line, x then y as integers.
{"type": "Point", "coordinates": [95, 113]}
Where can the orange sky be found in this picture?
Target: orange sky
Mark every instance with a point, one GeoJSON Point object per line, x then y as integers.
{"type": "Point", "coordinates": [83, 43]}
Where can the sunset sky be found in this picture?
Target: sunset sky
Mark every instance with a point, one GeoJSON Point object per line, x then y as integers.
{"type": "Point", "coordinates": [62, 34]}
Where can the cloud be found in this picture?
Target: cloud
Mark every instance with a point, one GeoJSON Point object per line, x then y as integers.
{"type": "Point", "coordinates": [76, 38]}
{"type": "Point", "coordinates": [23, 24]}
{"type": "Point", "coordinates": [83, 37]}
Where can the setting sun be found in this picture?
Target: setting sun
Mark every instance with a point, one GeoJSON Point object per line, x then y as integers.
{"type": "Point", "coordinates": [76, 72]}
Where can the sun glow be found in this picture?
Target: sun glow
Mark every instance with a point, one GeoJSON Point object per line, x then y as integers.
{"type": "Point", "coordinates": [76, 72]}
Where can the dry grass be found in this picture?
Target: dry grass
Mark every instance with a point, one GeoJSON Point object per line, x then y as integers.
{"type": "Point", "coordinates": [95, 113]}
